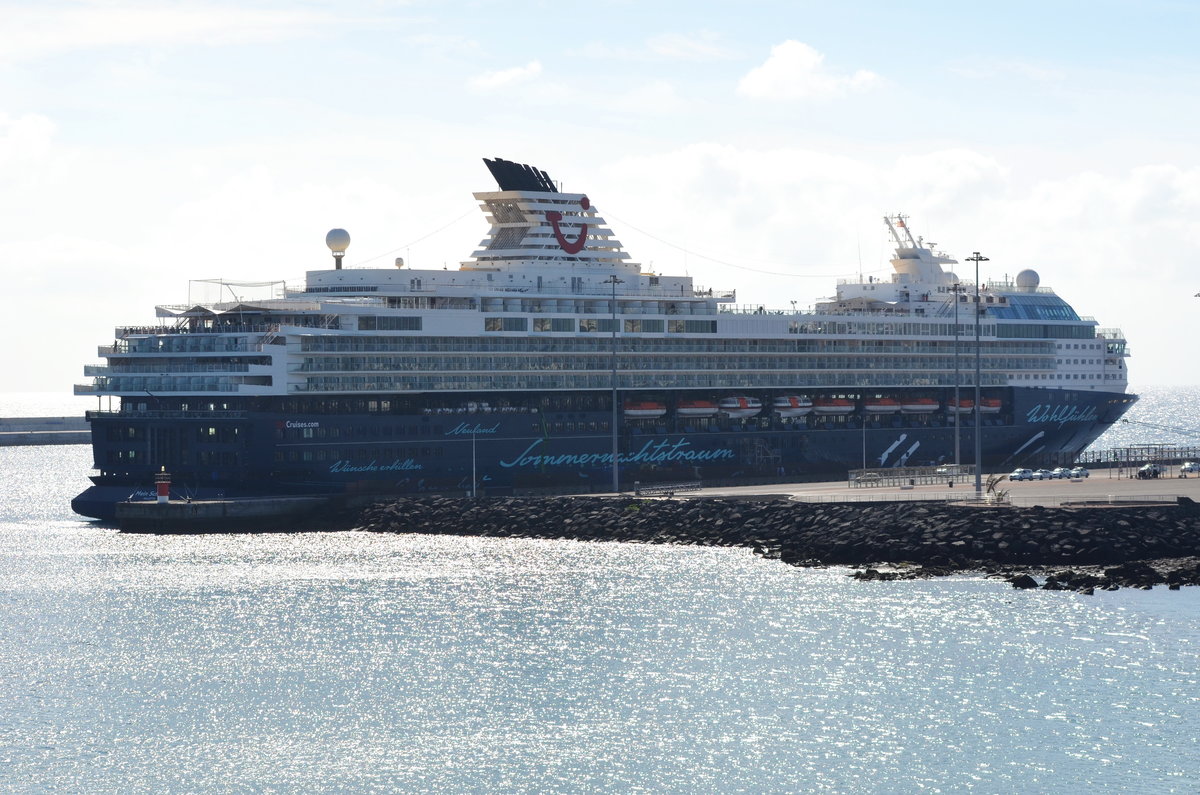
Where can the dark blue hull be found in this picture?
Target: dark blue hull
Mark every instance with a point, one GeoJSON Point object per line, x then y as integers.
{"type": "Point", "coordinates": [265, 453]}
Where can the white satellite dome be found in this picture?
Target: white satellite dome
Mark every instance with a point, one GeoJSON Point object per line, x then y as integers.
{"type": "Point", "coordinates": [1028, 280]}
{"type": "Point", "coordinates": [337, 240]}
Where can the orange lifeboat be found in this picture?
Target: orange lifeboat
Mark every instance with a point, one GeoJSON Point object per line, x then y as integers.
{"type": "Point", "coordinates": [644, 410]}
{"type": "Point", "coordinates": [881, 406]}
{"type": "Point", "coordinates": [696, 408]}
{"type": "Point", "coordinates": [833, 405]}
{"type": "Point", "coordinates": [920, 405]}
{"type": "Point", "coordinates": [964, 406]}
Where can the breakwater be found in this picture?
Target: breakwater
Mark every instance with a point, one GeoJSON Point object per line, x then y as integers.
{"type": "Point", "coordinates": [913, 539]}
{"type": "Point", "coordinates": [21, 431]}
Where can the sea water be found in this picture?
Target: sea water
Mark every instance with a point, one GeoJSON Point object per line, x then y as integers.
{"type": "Point", "coordinates": [353, 661]}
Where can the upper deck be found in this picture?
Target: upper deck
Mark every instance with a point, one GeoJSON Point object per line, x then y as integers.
{"type": "Point", "coordinates": [549, 294]}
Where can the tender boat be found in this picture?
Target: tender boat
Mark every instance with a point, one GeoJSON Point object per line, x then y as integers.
{"type": "Point", "coordinates": [920, 406]}
{"type": "Point", "coordinates": [739, 407]}
{"type": "Point", "coordinates": [791, 406]}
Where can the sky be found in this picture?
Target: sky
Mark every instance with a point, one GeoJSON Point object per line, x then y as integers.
{"type": "Point", "coordinates": [752, 145]}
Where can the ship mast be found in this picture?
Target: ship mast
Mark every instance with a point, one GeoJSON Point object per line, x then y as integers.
{"type": "Point", "coordinates": [900, 221]}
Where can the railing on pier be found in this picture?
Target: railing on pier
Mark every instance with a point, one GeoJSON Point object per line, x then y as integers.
{"type": "Point", "coordinates": [911, 476]}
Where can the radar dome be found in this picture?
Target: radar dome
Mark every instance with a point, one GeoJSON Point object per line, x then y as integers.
{"type": "Point", "coordinates": [1028, 280]}
{"type": "Point", "coordinates": [337, 240]}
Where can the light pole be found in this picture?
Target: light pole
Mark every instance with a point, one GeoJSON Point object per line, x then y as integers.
{"type": "Point", "coordinates": [864, 438]}
{"type": "Point", "coordinates": [474, 480]}
{"type": "Point", "coordinates": [614, 281]}
{"type": "Point", "coordinates": [977, 258]}
{"type": "Point", "coordinates": [957, 444]}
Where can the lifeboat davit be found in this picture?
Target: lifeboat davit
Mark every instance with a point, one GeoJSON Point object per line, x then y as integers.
{"type": "Point", "coordinates": [920, 406]}
{"type": "Point", "coordinates": [833, 406]}
{"type": "Point", "coordinates": [644, 410]}
{"type": "Point", "coordinates": [791, 406]}
{"type": "Point", "coordinates": [881, 406]}
{"type": "Point", "coordinates": [696, 408]}
{"type": "Point", "coordinates": [739, 407]}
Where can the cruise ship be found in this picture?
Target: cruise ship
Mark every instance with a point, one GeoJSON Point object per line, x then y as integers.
{"type": "Point", "coordinates": [551, 361]}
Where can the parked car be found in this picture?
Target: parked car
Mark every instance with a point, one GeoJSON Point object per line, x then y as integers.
{"type": "Point", "coordinates": [1148, 471]}
{"type": "Point", "coordinates": [1042, 474]}
{"type": "Point", "coordinates": [1079, 472]}
{"type": "Point", "coordinates": [1020, 474]}
{"type": "Point", "coordinates": [1062, 473]}
{"type": "Point", "coordinates": [1190, 466]}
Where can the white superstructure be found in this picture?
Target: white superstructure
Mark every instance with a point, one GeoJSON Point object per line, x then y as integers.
{"type": "Point", "coordinates": [534, 307]}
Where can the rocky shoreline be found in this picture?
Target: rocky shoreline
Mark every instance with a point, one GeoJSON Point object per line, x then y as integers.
{"type": "Point", "coordinates": [1080, 549]}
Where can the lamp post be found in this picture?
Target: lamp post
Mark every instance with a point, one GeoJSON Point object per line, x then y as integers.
{"type": "Point", "coordinates": [957, 444]}
{"type": "Point", "coordinates": [614, 281]}
{"type": "Point", "coordinates": [977, 258]}
{"type": "Point", "coordinates": [474, 480]}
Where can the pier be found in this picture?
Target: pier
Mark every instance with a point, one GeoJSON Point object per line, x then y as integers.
{"type": "Point", "coordinates": [19, 431]}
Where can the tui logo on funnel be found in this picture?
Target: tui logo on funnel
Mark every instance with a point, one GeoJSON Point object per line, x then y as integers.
{"type": "Point", "coordinates": [569, 246]}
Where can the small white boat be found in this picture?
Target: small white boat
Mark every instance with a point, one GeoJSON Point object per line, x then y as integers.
{"type": "Point", "coordinates": [739, 407]}
{"type": "Point", "coordinates": [791, 406]}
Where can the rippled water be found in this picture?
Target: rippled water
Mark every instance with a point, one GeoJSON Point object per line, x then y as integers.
{"type": "Point", "coordinates": [1162, 415]}
{"type": "Point", "coordinates": [360, 662]}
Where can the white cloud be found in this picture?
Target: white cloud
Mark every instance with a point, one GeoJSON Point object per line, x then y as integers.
{"type": "Point", "coordinates": [41, 30]}
{"type": "Point", "coordinates": [796, 71]}
{"type": "Point", "coordinates": [508, 77]}
{"type": "Point", "coordinates": [702, 46]}
{"type": "Point", "coordinates": [24, 139]}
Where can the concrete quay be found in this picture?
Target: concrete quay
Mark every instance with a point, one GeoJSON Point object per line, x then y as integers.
{"type": "Point", "coordinates": [217, 516]}
{"type": "Point", "coordinates": [1102, 487]}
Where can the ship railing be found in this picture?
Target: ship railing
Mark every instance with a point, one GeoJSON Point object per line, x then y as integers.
{"type": "Point", "coordinates": [810, 313]}
{"type": "Point", "coordinates": [232, 328]}
{"type": "Point", "coordinates": [155, 388]}
{"type": "Point", "coordinates": [228, 348]}
{"type": "Point", "coordinates": [485, 290]}
{"type": "Point", "coordinates": [152, 414]}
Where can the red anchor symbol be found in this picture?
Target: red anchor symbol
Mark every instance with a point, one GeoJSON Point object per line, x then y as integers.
{"type": "Point", "coordinates": [569, 246]}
